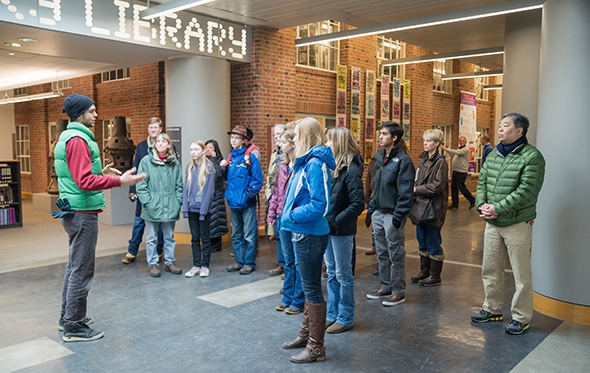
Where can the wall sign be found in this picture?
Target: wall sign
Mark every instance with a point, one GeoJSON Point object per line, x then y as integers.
{"type": "Point", "coordinates": [120, 20]}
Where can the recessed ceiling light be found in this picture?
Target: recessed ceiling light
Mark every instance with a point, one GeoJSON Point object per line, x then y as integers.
{"type": "Point", "coordinates": [28, 40]}
{"type": "Point", "coordinates": [12, 45]}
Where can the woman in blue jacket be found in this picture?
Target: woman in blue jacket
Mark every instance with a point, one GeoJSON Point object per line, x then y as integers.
{"type": "Point", "coordinates": [306, 205]}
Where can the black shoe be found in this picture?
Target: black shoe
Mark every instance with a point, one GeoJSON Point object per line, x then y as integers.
{"type": "Point", "coordinates": [233, 268]}
{"type": "Point", "coordinates": [379, 294]}
{"type": "Point", "coordinates": [471, 205]}
{"type": "Point", "coordinates": [246, 270]}
{"type": "Point", "coordinates": [376, 271]}
{"type": "Point", "coordinates": [516, 327]}
{"type": "Point", "coordinates": [451, 207]}
{"type": "Point", "coordinates": [80, 333]}
{"type": "Point", "coordinates": [485, 316]}
{"type": "Point", "coordinates": [60, 322]}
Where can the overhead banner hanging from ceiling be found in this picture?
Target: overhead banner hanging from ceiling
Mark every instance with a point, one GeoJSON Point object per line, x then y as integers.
{"type": "Point", "coordinates": [120, 20]}
{"type": "Point", "coordinates": [468, 124]}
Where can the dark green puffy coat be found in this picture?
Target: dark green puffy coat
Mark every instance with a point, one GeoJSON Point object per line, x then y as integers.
{"type": "Point", "coordinates": [512, 184]}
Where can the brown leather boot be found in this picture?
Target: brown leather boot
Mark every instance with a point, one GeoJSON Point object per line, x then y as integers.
{"type": "Point", "coordinates": [424, 267]}
{"type": "Point", "coordinates": [303, 335]}
{"type": "Point", "coordinates": [155, 270]}
{"type": "Point", "coordinates": [315, 350]}
{"type": "Point", "coordinates": [277, 271]}
{"type": "Point", "coordinates": [173, 268]}
{"type": "Point", "coordinates": [435, 270]}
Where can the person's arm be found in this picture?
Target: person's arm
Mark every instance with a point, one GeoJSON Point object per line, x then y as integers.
{"type": "Point", "coordinates": [256, 178]}
{"type": "Point", "coordinates": [438, 183]}
{"type": "Point", "coordinates": [278, 191]}
{"type": "Point", "coordinates": [80, 166]}
{"type": "Point", "coordinates": [463, 152]}
{"type": "Point", "coordinates": [405, 190]}
{"type": "Point", "coordinates": [356, 200]}
{"type": "Point", "coordinates": [208, 191]}
{"type": "Point", "coordinates": [318, 185]}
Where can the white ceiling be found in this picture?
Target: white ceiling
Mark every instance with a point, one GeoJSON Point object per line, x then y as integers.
{"type": "Point", "coordinates": [73, 55]}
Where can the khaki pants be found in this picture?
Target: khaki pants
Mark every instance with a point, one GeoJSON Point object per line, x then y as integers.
{"type": "Point", "coordinates": [515, 241]}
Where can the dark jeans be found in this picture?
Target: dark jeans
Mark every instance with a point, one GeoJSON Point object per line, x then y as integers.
{"type": "Point", "coordinates": [200, 233]}
{"type": "Point", "coordinates": [292, 288]}
{"type": "Point", "coordinates": [244, 236]}
{"type": "Point", "coordinates": [458, 184]}
{"type": "Point", "coordinates": [429, 239]}
{"type": "Point", "coordinates": [82, 230]}
{"type": "Point", "coordinates": [137, 235]}
{"type": "Point", "coordinates": [309, 251]}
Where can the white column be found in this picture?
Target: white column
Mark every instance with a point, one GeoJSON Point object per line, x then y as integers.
{"type": "Point", "coordinates": [561, 243]}
{"type": "Point", "coordinates": [522, 43]}
{"type": "Point", "coordinates": [198, 101]}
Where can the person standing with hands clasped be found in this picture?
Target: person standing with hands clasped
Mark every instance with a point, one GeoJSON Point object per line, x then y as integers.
{"type": "Point", "coordinates": [81, 180]}
{"type": "Point", "coordinates": [160, 194]}
{"type": "Point", "coordinates": [197, 196]}
{"type": "Point", "coordinates": [509, 185]}
{"type": "Point", "coordinates": [430, 189]}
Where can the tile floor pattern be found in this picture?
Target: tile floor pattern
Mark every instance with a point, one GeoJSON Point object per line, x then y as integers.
{"type": "Point", "coordinates": [227, 322]}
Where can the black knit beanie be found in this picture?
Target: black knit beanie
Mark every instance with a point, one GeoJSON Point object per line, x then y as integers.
{"type": "Point", "coordinates": [75, 105]}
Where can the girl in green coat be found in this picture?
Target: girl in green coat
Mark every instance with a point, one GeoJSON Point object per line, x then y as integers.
{"type": "Point", "coordinates": [160, 194]}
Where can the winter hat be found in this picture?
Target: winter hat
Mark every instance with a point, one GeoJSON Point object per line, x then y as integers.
{"type": "Point", "coordinates": [75, 105]}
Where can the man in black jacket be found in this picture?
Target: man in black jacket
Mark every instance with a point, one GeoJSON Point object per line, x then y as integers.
{"type": "Point", "coordinates": [391, 202]}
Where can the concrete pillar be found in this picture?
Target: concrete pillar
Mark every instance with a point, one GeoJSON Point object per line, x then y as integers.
{"type": "Point", "coordinates": [560, 236]}
{"type": "Point", "coordinates": [198, 101]}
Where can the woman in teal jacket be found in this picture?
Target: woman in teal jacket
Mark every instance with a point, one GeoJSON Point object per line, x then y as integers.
{"type": "Point", "coordinates": [160, 194]}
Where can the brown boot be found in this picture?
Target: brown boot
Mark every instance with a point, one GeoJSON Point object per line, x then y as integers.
{"type": "Point", "coordinates": [303, 335]}
{"type": "Point", "coordinates": [173, 268]}
{"type": "Point", "coordinates": [315, 350]}
{"type": "Point", "coordinates": [435, 270]}
{"type": "Point", "coordinates": [155, 270]}
{"type": "Point", "coordinates": [424, 267]}
{"type": "Point", "coordinates": [277, 271]}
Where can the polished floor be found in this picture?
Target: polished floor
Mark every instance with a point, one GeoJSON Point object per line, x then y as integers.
{"type": "Point", "coordinates": [227, 322]}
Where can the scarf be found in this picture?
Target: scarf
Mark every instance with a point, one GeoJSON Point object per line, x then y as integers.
{"type": "Point", "coordinates": [504, 149]}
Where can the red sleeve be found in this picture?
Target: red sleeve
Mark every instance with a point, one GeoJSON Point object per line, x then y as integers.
{"type": "Point", "coordinates": [78, 160]}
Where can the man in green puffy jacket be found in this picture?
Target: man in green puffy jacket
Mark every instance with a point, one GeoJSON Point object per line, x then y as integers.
{"type": "Point", "coordinates": [507, 192]}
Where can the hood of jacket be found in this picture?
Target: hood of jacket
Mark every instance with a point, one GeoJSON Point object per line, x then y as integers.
{"type": "Point", "coordinates": [322, 152]}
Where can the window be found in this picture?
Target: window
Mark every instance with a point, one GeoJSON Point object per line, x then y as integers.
{"type": "Point", "coordinates": [61, 84]}
{"type": "Point", "coordinates": [480, 82]}
{"type": "Point", "coordinates": [389, 49]}
{"type": "Point", "coordinates": [479, 148]}
{"type": "Point", "coordinates": [107, 126]}
{"type": "Point", "coordinates": [23, 91]}
{"type": "Point", "coordinates": [439, 69]}
{"type": "Point", "coordinates": [23, 150]}
{"type": "Point", "coordinates": [322, 55]}
{"type": "Point", "coordinates": [109, 76]}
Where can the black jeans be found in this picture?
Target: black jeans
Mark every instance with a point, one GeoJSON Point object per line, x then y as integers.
{"type": "Point", "coordinates": [458, 184]}
{"type": "Point", "coordinates": [200, 233]}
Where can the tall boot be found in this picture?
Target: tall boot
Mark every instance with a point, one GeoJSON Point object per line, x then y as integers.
{"type": "Point", "coordinates": [436, 264]}
{"type": "Point", "coordinates": [424, 267]}
{"type": "Point", "coordinates": [315, 350]}
{"type": "Point", "coordinates": [303, 335]}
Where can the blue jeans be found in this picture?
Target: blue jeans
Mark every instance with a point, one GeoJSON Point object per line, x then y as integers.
{"type": "Point", "coordinates": [137, 234]}
{"type": "Point", "coordinates": [200, 232]}
{"type": "Point", "coordinates": [244, 236]}
{"type": "Point", "coordinates": [82, 230]}
{"type": "Point", "coordinates": [429, 238]}
{"type": "Point", "coordinates": [292, 288]}
{"type": "Point", "coordinates": [391, 253]}
{"type": "Point", "coordinates": [338, 258]}
{"type": "Point", "coordinates": [277, 228]}
{"type": "Point", "coordinates": [151, 240]}
{"type": "Point", "coordinates": [309, 251]}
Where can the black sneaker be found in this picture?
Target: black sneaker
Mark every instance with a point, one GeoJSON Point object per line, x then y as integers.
{"type": "Point", "coordinates": [80, 333]}
{"type": "Point", "coordinates": [516, 327]}
{"type": "Point", "coordinates": [485, 316]}
{"type": "Point", "coordinates": [60, 323]}
{"type": "Point", "coordinates": [394, 300]}
{"type": "Point", "coordinates": [379, 294]}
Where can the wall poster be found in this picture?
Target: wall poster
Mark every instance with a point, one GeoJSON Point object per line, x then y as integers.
{"type": "Point", "coordinates": [341, 96]}
{"type": "Point", "coordinates": [385, 110]}
{"type": "Point", "coordinates": [355, 102]}
{"type": "Point", "coordinates": [396, 99]}
{"type": "Point", "coordinates": [468, 124]}
{"type": "Point", "coordinates": [405, 122]}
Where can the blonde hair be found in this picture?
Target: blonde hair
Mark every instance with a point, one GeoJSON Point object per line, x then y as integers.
{"type": "Point", "coordinates": [289, 135]}
{"type": "Point", "coordinates": [203, 171]}
{"type": "Point", "coordinates": [167, 138]}
{"type": "Point", "coordinates": [153, 120]}
{"type": "Point", "coordinates": [309, 133]}
{"type": "Point", "coordinates": [344, 147]}
{"type": "Point", "coordinates": [435, 135]}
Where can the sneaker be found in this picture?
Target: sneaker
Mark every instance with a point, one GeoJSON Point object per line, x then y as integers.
{"type": "Point", "coordinates": [379, 294]}
{"type": "Point", "coordinates": [80, 333]}
{"type": "Point", "coordinates": [193, 272]}
{"type": "Point", "coordinates": [233, 268]}
{"type": "Point", "coordinates": [516, 327]}
{"type": "Point", "coordinates": [394, 300]}
{"type": "Point", "coordinates": [60, 323]}
{"type": "Point", "coordinates": [128, 258]}
{"type": "Point", "coordinates": [485, 316]}
{"type": "Point", "coordinates": [281, 307]}
{"type": "Point", "coordinates": [204, 272]}
{"type": "Point", "coordinates": [338, 328]}
{"type": "Point", "coordinates": [246, 270]}
{"type": "Point", "coordinates": [292, 310]}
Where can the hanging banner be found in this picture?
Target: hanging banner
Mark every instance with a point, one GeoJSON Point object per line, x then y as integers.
{"type": "Point", "coordinates": [384, 98]}
{"type": "Point", "coordinates": [406, 112]}
{"type": "Point", "coordinates": [341, 96]}
{"type": "Point", "coordinates": [468, 124]}
{"type": "Point", "coordinates": [396, 98]}
{"type": "Point", "coordinates": [355, 102]}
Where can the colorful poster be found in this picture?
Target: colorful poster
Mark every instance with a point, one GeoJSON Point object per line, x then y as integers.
{"type": "Point", "coordinates": [340, 102]}
{"type": "Point", "coordinates": [385, 109]}
{"type": "Point", "coordinates": [341, 72]}
{"type": "Point", "coordinates": [370, 111]}
{"type": "Point", "coordinates": [396, 110]}
{"type": "Point", "coordinates": [355, 73]}
{"type": "Point", "coordinates": [355, 108]}
{"type": "Point", "coordinates": [396, 99]}
{"type": "Point", "coordinates": [370, 128]}
{"type": "Point", "coordinates": [370, 81]}
{"type": "Point", "coordinates": [369, 150]}
{"type": "Point", "coordinates": [355, 126]}
{"type": "Point", "coordinates": [406, 112]}
{"type": "Point", "coordinates": [341, 120]}
{"type": "Point", "coordinates": [341, 96]}
{"type": "Point", "coordinates": [468, 124]}
{"type": "Point", "coordinates": [385, 85]}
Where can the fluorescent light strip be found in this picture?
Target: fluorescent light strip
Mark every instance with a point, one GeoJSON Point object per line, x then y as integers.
{"type": "Point", "coordinates": [492, 86]}
{"type": "Point", "coordinates": [440, 19]}
{"type": "Point", "coordinates": [445, 56]}
{"type": "Point", "coordinates": [171, 7]}
{"type": "Point", "coordinates": [470, 75]}
{"type": "Point", "coordinates": [38, 96]}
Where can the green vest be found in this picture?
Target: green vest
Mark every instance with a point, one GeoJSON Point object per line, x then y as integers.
{"type": "Point", "coordinates": [79, 199]}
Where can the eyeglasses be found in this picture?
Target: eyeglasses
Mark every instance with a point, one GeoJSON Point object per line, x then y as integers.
{"type": "Point", "coordinates": [235, 137]}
